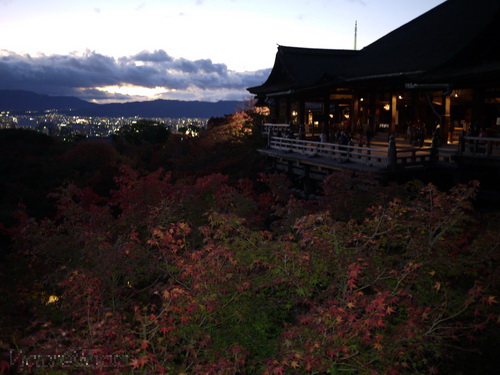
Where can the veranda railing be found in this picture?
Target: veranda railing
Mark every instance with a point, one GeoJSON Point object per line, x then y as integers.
{"type": "Point", "coordinates": [391, 157]}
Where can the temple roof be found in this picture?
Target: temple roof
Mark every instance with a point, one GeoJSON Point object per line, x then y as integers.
{"type": "Point", "coordinates": [455, 42]}
{"type": "Point", "coordinates": [299, 67]}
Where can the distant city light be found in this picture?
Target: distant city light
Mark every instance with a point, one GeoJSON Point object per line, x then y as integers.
{"type": "Point", "coordinates": [66, 127]}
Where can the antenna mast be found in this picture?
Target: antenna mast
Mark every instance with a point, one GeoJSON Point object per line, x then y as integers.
{"type": "Point", "coordinates": [355, 33]}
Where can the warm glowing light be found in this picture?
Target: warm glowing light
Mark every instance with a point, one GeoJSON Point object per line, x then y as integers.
{"type": "Point", "coordinates": [362, 99]}
{"type": "Point", "coordinates": [387, 107]}
{"type": "Point", "coordinates": [400, 97]}
{"type": "Point", "coordinates": [134, 90]}
{"type": "Point", "coordinates": [52, 299]}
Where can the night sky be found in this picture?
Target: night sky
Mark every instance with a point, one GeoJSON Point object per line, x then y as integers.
{"type": "Point", "coordinates": [123, 50]}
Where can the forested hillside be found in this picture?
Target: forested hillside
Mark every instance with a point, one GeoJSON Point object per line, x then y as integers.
{"type": "Point", "coordinates": [184, 255]}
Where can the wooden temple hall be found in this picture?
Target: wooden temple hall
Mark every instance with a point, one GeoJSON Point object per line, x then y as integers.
{"type": "Point", "coordinates": [439, 72]}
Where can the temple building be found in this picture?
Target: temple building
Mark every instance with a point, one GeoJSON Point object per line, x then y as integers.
{"type": "Point", "coordinates": [440, 72]}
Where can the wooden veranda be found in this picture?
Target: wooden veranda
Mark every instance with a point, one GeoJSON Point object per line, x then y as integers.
{"type": "Point", "coordinates": [387, 157]}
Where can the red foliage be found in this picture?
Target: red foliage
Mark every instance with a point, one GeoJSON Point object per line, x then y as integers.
{"type": "Point", "coordinates": [182, 277]}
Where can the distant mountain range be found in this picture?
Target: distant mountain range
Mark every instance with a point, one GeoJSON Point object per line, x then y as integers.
{"type": "Point", "coordinates": [19, 101]}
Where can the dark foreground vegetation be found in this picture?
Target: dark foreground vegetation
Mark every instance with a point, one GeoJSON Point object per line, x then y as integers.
{"type": "Point", "coordinates": [169, 254]}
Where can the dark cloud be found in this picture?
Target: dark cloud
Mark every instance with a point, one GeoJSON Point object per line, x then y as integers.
{"type": "Point", "coordinates": [156, 56]}
{"type": "Point", "coordinates": [199, 66]}
{"type": "Point", "coordinates": [80, 75]}
{"type": "Point", "coordinates": [101, 96]}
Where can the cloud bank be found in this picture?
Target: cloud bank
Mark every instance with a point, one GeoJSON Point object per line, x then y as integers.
{"type": "Point", "coordinates": [144, 76]}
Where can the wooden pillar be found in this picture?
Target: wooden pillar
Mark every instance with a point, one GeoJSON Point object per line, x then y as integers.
{"type": "Point", "coordinates": [392, 155]}
{"type": "Point", "coordinates": [288, 115]}
{"type": "Point", "coordinates": [434, 147]}
{"type": "Point", "coordinates": [373, 109]}
{"type": "Point", "coordinates": [289, 169]}
{"type": "Point", "coordinates": [275, 115]}
{"type": "Point", "coordinates": [477, 110]}
{"type": "Point", "coordinates": [302, 111]}
{"type": "Point", "coordinates": [326, 112]}
{"type": "Point", "coordinates": [307, 181]}
{"type": "Point", "coordinates": [446, 117]}
{"type": "Point", "coordinates": [355, 114]}
{"type": "Point", "coordinates": [394, 113]}
{"type": "Point", "coordinates": [415, 102]}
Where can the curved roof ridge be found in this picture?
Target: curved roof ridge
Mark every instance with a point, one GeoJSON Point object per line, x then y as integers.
{"type": "Point", "coordinates": [315, 51]}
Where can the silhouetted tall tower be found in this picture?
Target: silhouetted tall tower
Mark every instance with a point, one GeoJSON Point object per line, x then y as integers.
{"type": "Point", "coordinates": [355, 33]}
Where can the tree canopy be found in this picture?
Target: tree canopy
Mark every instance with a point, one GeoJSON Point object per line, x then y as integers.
{"type": "Point", "coordinates": [143, 132]}
{"type": "Point", "coordinates": [217, 273]}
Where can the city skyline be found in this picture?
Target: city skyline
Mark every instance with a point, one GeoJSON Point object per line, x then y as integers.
{"type": "Point", "coordinates": [119, 51]}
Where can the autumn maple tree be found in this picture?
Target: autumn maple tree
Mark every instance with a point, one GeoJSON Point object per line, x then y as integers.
{"type": "Point", "coordinates": [217, 274]}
